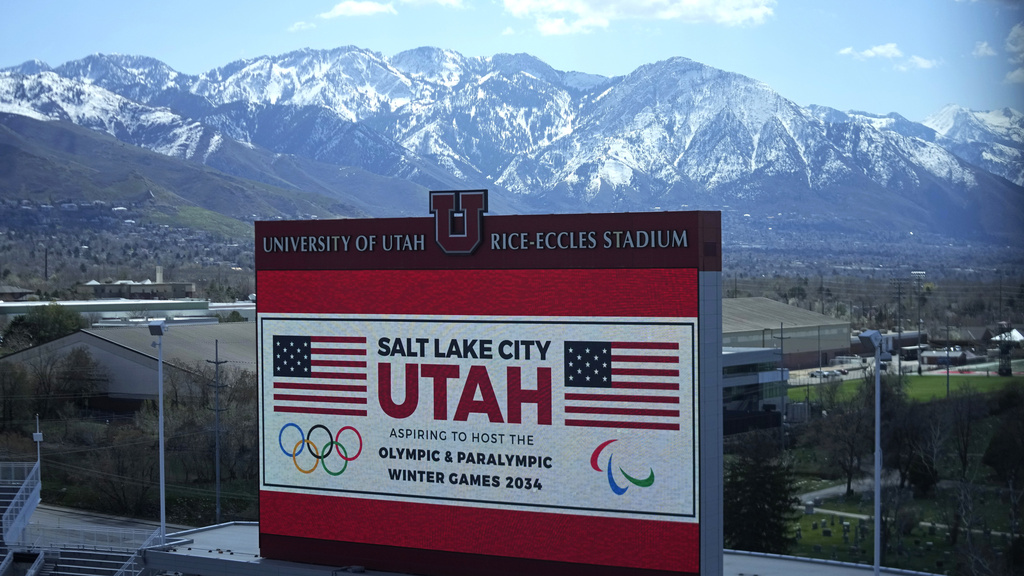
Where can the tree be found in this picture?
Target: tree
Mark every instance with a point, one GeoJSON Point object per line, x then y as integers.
{"type": "Point", "coordinates": [928, 453]}
{"type": "Point", "coordinates": [1005, 455]}
{"type": "Point", "coordinates": [43, 324]}
{"type": "Point", "coordinates": [69, 379]}
{"type": "Point", "coordinates": [13, 393]}
{"type": "Point", "coordinates": [760, 497]}
{"type": "Point", "coordinates": [965, 408]}
{"type": "Point", "coordinates": [846, 434]}
{"type": "Point", "coordinates": [903, 425]}
{"type": "Point", "coordinates": [238, 452]}
{"type": "Point", "coordinates": [126, 470]}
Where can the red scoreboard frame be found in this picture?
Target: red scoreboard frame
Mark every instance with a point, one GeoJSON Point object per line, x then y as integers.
{"type": "Point", "coordinates": [417, 292]}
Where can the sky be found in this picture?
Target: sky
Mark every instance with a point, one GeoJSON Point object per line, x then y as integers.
{"type": "Point", "coordinates": [907, 56]}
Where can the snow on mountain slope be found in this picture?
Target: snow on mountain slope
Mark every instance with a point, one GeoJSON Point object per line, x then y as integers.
{"type": "Point", "coordinates": [672, 133]}
{"type": "Point", "coordinates": [993, 140]}
{"type": "Point", "coordinates": [47, 96]}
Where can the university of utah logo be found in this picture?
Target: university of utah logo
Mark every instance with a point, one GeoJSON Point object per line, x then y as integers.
{"type": "Point", "coordinates": [458, 219]}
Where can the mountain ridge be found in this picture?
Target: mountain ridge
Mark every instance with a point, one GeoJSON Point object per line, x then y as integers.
{"type": "Point", "coordinates": [675, 134]}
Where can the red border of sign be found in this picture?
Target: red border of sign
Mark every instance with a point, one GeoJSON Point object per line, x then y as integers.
{"type": "Point", "coordinates": [532, 282]}
{"type": "Point", "coordinates": [490, 533]}
{"type": "Point", "coordinates": [480, 292]}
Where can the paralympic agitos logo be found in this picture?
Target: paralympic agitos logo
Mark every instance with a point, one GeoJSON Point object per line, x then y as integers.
{"type": "Point", "coordinates": [618, 490]}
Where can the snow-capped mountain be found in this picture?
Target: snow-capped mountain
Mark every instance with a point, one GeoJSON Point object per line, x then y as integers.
{"type": "Point", "coordinates": [991, 140]}
{"type": "Point", "coordinates": [47, 96]}
{"type": "Point", "coordinates": [670, 135]}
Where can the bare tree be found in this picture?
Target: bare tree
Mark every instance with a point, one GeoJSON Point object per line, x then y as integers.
{"type": "Point", "coordinates": [965, 408]}
{"type": "Point", "coordinates": [238, 451]}
{"type": "Point", "coordinates": [125, 471]}
{"type": "Point", "coordinates": [844, 437]}
{"type": "Point", "coordinates": [13, 392]}
{"type": "Point", "coordinates": [929, 450]}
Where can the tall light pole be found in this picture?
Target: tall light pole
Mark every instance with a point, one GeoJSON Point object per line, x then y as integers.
{"type": "Point", "coordinates": [898, 283]}
{"type": "Point", "coordinates": [947, 355]}
{"type": "Point", "coordinates": [873, 338]}
{"type": "Point", "coordinates": [918, 277]}
{"type": "Point", "coordinates": [158, 328]}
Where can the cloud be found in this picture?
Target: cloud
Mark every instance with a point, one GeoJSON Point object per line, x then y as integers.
{"type": "Point", "coordinates": [1015, 46]}
{"type": "Point", "coordinates": [509, 31]}
{"type": "Point", "coordinates": [890, 50]}
{"type": "Point", "coordinates": [1015, 43]}
{"type": "Point", "coordinates": [982, 50]}
{"type": "Point", "coordinates": [917, 62]}
{"type": "Point", "coordinates": [299, 26]}
{"type": "Point", "coordinates": [445, 3]}
{"type": "Point", "coordinates": [358, 8]}
{"type": "Point", "coordinates": [560, 17]}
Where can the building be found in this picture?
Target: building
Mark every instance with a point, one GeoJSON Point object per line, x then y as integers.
{"type": "Point", "coordinates": [9, 293]}
{"type": "Point", "coordinates": [145, 290]}
{"type": "Point", "coordinates": [755, 390]}
{"type": "Point", "coordinates": [805, 338]}
{"type": "Point", "coordinates": [129, 356]}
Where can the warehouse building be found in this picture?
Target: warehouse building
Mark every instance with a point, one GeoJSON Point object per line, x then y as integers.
{"type": "Point", "coordinates": [804, 338]}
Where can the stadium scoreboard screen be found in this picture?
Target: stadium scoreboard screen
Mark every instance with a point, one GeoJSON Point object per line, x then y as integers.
{"type": "Point", "coordinates": [467, 393]}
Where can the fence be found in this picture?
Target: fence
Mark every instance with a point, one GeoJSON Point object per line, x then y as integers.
{"type": "Point", "coordinates": [19, 512]}
{"type": "Point", "coordinates": [15, 472]}
{"type": "Point", "coordinates": [135, 565]}
{"type": "Point", "coordinates": [122, 540]}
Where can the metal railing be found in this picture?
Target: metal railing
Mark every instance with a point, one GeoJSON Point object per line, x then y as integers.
{"type": "Point", "coordinates": [8, 560]}
{"type": "Point", "coordinates": [18, 514]}
{"type": "Point", "coordinates": [36, 566]}
{"type": "Point", "coordinates": [120, 540]}
{"type": "Point", "coordinates": [136, 564]}
{"type": "Point", "coordinates": [15, 472]}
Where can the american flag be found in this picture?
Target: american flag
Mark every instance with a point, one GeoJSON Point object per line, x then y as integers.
{"type": "Point", "coordinates": [622, 385]}
{"type": "Point", "coordinates": [320, 375]}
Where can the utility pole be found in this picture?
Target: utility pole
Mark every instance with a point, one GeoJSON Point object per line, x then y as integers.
{"type": "Point", "coordinates": [999, 311]}
{"type": "Point", "coordinates": [217, 410]}
{"type": "Point", "coordinates": [898, 283]}
{"type": "Point", "coordinates": [807, 388]}
{"type": "Point", "coordinates": [918, 277]}
{"type": "Point", "coordinates": [947, 356]}
{"type": "Point", "coordinates": [782, 356]}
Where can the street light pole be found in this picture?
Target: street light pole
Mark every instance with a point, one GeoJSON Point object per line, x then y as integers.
{"type": "Point", "coordinates": [947, 356]}
{"type": "Point", "coordinates": [874, 338]}
{"type": "Point", "coordinates": [157, 328]}
{"type": "Point", "coordinates": [918, 276]}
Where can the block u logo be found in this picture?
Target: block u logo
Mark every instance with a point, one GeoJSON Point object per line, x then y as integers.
{"type": "Point", "coordinates": [458, 219]}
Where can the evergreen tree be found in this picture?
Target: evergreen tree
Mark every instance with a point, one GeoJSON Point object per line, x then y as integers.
{"type": "Point", "coordinates": [41, 325]}
{"type": "Point", "coordinates": [760, 497]}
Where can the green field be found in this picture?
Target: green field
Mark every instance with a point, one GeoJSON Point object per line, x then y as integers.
{"type": "Point", "coordinates": [919, 388]}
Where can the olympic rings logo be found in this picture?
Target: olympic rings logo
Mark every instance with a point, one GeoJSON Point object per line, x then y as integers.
{"type": "Point", "coordinates": [320, 454]}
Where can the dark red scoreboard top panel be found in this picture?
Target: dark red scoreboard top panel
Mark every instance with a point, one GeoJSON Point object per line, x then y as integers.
{"type": "Point", "coordinates": [574, 241]}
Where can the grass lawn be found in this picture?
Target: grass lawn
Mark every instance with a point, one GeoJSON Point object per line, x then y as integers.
{"type": "Point", "coordinates": [921, 550]}
{"type": "Point", "coordinates": [919, 388]}
{"type": "Point", "coordinates": [988, 504]}
{"type": "Point", "coordinates": [932, 386]}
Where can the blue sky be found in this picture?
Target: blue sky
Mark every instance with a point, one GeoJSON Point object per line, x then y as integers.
{"type": "Point", "coordinates": [881, 56]}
